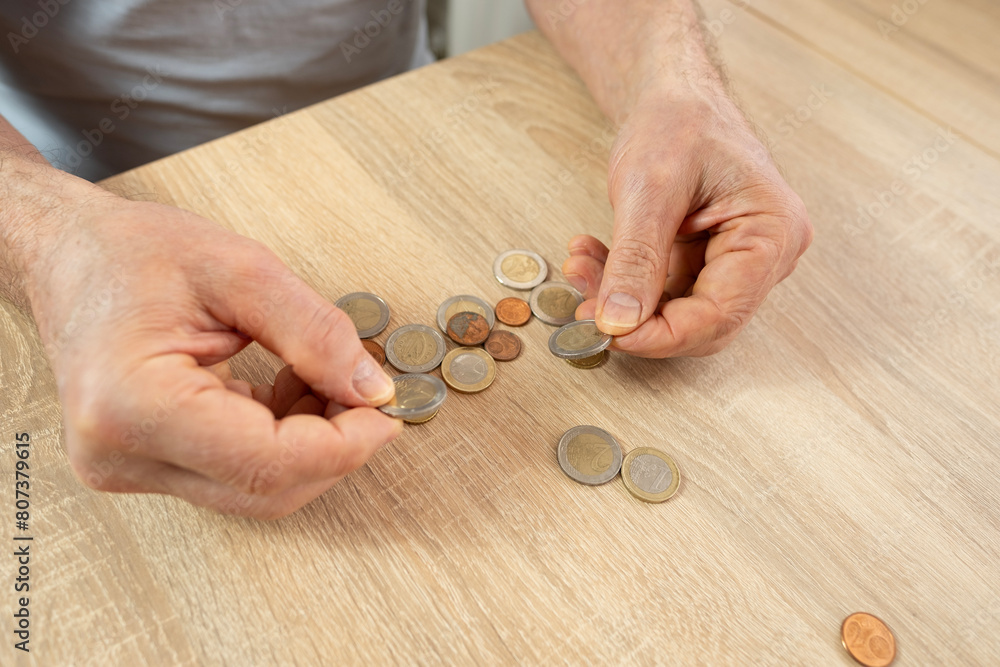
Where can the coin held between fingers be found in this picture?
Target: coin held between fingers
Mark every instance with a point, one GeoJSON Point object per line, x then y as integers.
{"type": "Point", "coordinates": [371, 382]}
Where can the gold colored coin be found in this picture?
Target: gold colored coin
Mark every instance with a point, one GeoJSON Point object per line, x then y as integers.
{"type": "Point", "coordinates": [520, 268]}
{"type": "Point", "coordinates": [868, 639]}
{"type": "Point", "coordinates": [588, 362]}
{"type": "Point", "coordinates": [415, 348]}
{"type": "Point", "coordinates": [650, 475]}
{"type": "Point", "coordinates": [468, 369]}
{"type": "Point", "coordinates": [555, 303]}
{"type": "Point", "coordinates": [368, 312]}
{"type": "Point", "coordinates": [589, 455]}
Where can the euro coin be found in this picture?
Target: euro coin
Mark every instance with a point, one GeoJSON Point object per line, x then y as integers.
{"type": "Point", "coordinates": [513, 311]}
{"type": "Point", "coordinates": [868, 639]}
{"type": "Point", "coordinates": [463, 303]}
{"type": "Point", "coordinates": [588, 362]}
{"type": "Point", "coordinates": [418, 398]}
{"type": "Point", "coordinates": [468, 329]}
{"type": "Point", "coordinates": [374, 349]}
{"type": "Point", "coordinates": [369, 313]}
{"type": "Point", "coordinates": [650, 475]}
{"type": "Point", "coordinates": [415, 348]}
{"type": "Point", "coordinates": [520, 269]}
{"type": "Point", "coordinates": [555, 303]}
{"type": "Point", "coordinates": [589, 455]}
{"type": "Point", "coordinates": [503, 345]}
{"type": "Point", "coordinates": [578, 340]}
{"type": "Point", "coordinates": [468, 369]}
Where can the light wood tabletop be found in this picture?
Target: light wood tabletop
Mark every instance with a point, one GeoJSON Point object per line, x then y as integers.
{"type": "Point", "coordinates": [841, 455]}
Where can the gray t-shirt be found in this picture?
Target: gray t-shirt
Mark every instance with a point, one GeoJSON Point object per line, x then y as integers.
{"type": "Point", "coordinates": [101, 86]}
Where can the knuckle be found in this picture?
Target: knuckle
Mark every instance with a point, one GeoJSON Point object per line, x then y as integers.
{"type": "Point", "coordinates": [634, 258]}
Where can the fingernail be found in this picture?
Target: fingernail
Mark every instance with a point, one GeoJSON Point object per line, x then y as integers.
{"type": "Point", "coordinates": [621, 310]}
{"type": "Point", "coordinates": [371, 382]}
{"type": "Point", "coordinates": [577, 281]}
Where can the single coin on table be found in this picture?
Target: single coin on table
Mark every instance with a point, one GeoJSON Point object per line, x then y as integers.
{"type": "Point", "coordinates": [555, 303]}
{"type": "Point", "coordinates": [868, 639]}
{"type": "Point", "coordinates": [374, 349]}
{"type": "Point", "coordinates": [468, 329]}
{"type": "Point", "coordinates": [418, 398]}
{"type": "Point", "coordinates": [578, 340]}
{"type": "Point", "coordinates": [369, 313]}
{"type": "Point", "coordinates": [468, 369]}
{"type": "Point", "coordinates": [650, 475]}
{"type": "Point", "coordinates": [520, 269]}
{"type": "Point", "coordinates": [463, 303]}
{"type": "Point", "coordinates": [503, 345]}
{"type": "Point", "coordinates": [589, 455]}
{"type": "Point", "coordinates": [513, 311]}
{"type": "Point", "coordinates": [415, 348]}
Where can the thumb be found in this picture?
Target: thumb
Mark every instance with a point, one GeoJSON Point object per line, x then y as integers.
{"type": "Point", "coordinates": [278, 309]}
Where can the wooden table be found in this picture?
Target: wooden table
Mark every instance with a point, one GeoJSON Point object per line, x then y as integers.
{"type": "Point", "coordinates": [841, 455]}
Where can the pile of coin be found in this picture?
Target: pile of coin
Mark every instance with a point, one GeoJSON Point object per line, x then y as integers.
{"type": "Point", "coordinates": [591, 455]}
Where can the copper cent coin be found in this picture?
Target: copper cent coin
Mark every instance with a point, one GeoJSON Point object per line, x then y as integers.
{"type": "Point", "coordinates": [468, 329]}
{"type": "Point", "coordinates": [868, 639]}
{"type": "Point", "coordinates": [374, 349]}
{"type": "Point", "coordinates": [503, 345]}
{"type": "Point", "coordinates": [513, 311]}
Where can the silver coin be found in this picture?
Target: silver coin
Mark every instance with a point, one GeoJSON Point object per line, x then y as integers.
{"type": "Point", "coordinates": [418, 397]}
{"type": "Point", "coordinates": [578, 340]}
{"type": "Point", "coordinates": [555, 303]}
{"type": "Point", "coordinates": [520, 269]}
{"type": "Point", "coordinates": [464, 303]}
{"type": "Point", "coordinates": [369, 313]}
{"type": "Point", "coordinates": [415, 348]}
{"type": "Point", "coordinates": [589, 455]}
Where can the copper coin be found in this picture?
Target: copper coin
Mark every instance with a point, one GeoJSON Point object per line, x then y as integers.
{"type": "Point", "coordinates": [375, 350]}
{"type": "Point", "coordinates": [513, 311]}
{"type": "Point", "coordinates": [868, 639]}
{"type": "Point", "coordinates": [503, 345]}
{"type": "Point", "coordinates": [468, 329]}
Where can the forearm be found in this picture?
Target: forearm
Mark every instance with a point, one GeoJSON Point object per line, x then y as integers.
{"type": "Point", "coordinates": [623, 47]}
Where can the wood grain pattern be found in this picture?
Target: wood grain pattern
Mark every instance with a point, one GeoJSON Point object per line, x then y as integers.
{"type": "Point", "coordinates": [841, 455]}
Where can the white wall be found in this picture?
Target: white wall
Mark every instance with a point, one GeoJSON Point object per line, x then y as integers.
{"type": "Point", "coordinates": [475, 23]}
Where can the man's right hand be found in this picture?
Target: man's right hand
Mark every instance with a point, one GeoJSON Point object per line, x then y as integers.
{"type": "Point", "coordinates": [137, 303]}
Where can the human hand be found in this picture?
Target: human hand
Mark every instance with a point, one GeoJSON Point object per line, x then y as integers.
{"type": "Point", "coordinates": [138, 303]}
{"type": "Point", "coordinates": [704, 228]}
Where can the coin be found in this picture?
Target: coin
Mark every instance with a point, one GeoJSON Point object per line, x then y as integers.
{"type": "Point", "coordinates": [369, 313]}
{"type": "Point", "coordinates": [868, 639]}
{"type": "Point", "coordinates": [555, 303]}
{"type": "Point", "coordinates": [589, 455]}
{"type": "Point", "coordinates": [650, 475]}
{"type": "Point", "coordinates": [463, 303]}
{"type": "Point", "coordinates": [520, 269]}
{"type": "Point", "coordinates": [415, 348]}
{"type": "Point", "coordinates": [418, 397]}
{"type": "Point", "coordinates": [468, 328]}
{"type": "Point", "coordinates": [503, 345]}
{"type": "Point", "coordinates": [588, 362]}
{"type": "Point", "coordinates": [375, 350]}
{"type": "Point", "coordinates": [513, 311]}
{"type": "Point", "coordinates": [468, 369]}
{"type": "Point", "coordinates": [578, 340]}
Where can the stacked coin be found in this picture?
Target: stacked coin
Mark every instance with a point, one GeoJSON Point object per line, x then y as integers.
{"type": "Point", "coordinates": [418, 398]}
{"type": "Point", "coordinates": [464, 303]}
{"type": "Point", "coordinates": [580, 343]}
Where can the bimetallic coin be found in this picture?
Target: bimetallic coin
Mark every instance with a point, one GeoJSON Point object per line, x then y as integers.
{"type": "Point", "coordinates": [418, 398]}
{"type": "Point", "coordinates": [868, 639]}
{"type": "Point", "coordinates": [468, 329]}
{"type": "Point", "coordinates": [415, 348]}
{"type": "Point", "coordinates": [463, 303]}
{"type": "Point", "coordinates": [555, 303]}
{"type": "Point", "coordinates": [513, 311]}
{"type": "Point", "coordinates": [589, 455]}
{"type": "Point", "coordinates": [369, 313]}
{"type": "Point", "coordinates": [578, 340]}
{"type": "Point", "coordinates": [650, 475]}
{"type": "Point", "coordinates": [520, 269]}
{"type": "Point", "coordinates": [468, 369]}
{"type": "Point", "coordinates": [374, 349]}
{"type": "Point", "coordinates": [588, 362]}
{"type": "Point", "coordinates": [503, 345]}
